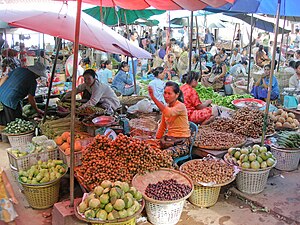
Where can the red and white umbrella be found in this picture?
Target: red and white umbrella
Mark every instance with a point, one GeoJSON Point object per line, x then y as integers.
{"type": "Point", "coordinates": [58, 20]}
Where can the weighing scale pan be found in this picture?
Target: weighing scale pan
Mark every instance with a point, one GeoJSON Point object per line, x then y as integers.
{"type": "Point", "coordinates": [103, 121]}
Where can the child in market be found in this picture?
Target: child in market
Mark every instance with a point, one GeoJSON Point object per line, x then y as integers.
{"type": "Point", "coordinates": [7, 211]}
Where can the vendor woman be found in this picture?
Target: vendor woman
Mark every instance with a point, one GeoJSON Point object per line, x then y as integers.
{"type": "Point", "coordinates": [96, 93]}
{"type": "Point", "coordinates": [260, 89]}
{"type": "Point", "coordinates": [198, 112]}
{"type": "Point", "coordinates": [173, 130]}
{"type": "Point", "coordinates": [21, 82]}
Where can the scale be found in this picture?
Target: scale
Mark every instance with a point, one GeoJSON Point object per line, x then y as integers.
{"type": "Point", "coordinates": [290, 100]}
{"type": "Point", "coordinates": [106, 125]}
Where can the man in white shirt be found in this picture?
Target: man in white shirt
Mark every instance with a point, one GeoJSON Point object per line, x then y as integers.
{"type": "Point", "coordinates": [235, 58]}
{"type": "Point", "coordinates": [297, 39]}
{"type": "Point", "coordinates": [214, 50]}
{"type": "Point", "coordinates": [134, 40]}
{"type": "Point", "coordinates": [294, 81]}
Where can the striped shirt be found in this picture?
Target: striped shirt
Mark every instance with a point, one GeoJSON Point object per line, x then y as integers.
{"type": "Point", "coordinates": [20, 83]}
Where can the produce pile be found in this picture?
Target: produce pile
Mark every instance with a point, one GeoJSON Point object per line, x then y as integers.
{"type": "Point", "coordinates": [208, 170]}
{"type": "Point", "coordinates": [131, 100]}
{"type": "Point", "coordinates": [167, 190]}
{"type": "Point", "coordinates": [211, 139]}
{"type": "Point", "coordinates": [66, 107]}
{"type": "Point", "coordinates": [206, 93]}
{"type": "Point", "coordinates": [18, 126]}
{"type": "Point", "coordinates": [256, 157]}
{"type": "Point", "coordinates": [119, 159]}
{"type": "Point", "coordinates": [284, 120]}
{"type": "Point", "coordinates": [110, 201]}
{"type": "Point", "coordinates": [55, 128]}
{"type": "Point", "coordinates": [30, 113]}
{"type": "Point", "coordinates": [43, 172]}
{"type": "Point", "coordinates": [288, 139]}
{"type": "Point", "coordinates": [64, 141]}
{"type": "Point", "coordinates": [245, 121]}
{"type": "Point", "coordinates": [38, 144]}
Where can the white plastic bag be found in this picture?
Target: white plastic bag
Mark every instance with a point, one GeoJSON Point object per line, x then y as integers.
{"type": "Point", "coordinates": [144, 106]}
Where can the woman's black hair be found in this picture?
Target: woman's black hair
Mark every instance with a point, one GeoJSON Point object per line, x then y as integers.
{"type": "Point", "coordinates": [122, 64]}
{"type": "Point", "coordinates": [176, 90]}
{"type": "Point", "coordinates": [186, 78]}
{"type": "Point", "coordinates": [90, 72]}
{"type": "Point", "coordinates": [104, 64]}
{"type": "Point", "coordinates": [297, 64]}
{"type": "Point", "coordinates": [292, 64]}
{"type": "Point", "coordinates": [260, 48]}
{"type": "Point", "coordinates": [212, 44]}
{"type": "Point", "coordinates": [217, 55]}
{"type": "Point", "coordinates": [157, 71]}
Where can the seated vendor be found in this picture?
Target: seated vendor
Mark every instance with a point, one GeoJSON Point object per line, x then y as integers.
{"type": "Point", "coordinates": [96, 93]}
{"type": "Point", "coordinates": [173, 131]}
{"type": "Point", "coordinates": [294, 80]}
{"type": "Point", "coordinates": [158, 84]}
{"type": "Point", "coordinates": [261, 57]}
{"type": "Point", "coordinates": [198, 112]}
{"type": "Point", "coordinates": [122, 82]}
{"type": "Point", "coordinates": [260, 88]}
{"type": "Point", "coordinates": [215, 79]}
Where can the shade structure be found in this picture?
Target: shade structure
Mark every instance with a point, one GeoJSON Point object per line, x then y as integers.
{"type": "Point", "coordinates": [183, 21]}
{"type": "Point", "coordinates": [216, 25]}
{"type": "Point", "coordinates": [149, 23]}
{"type": "Point", "coordinates": [55, 22]}
{"type": "Point", "coordinates": [118, 16]}
{"type": "Point", "coordinates": [287, 7]}
{"type": "Point", "coordinates": [191, 5]}
{"type": "Point", "coordinates": [258, 23]}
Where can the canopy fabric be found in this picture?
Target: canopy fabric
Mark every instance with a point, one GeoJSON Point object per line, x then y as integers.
{"type": "Point", "coordinates": [116, 16]}
{"type": "Point", "coordinates": [288, 7]}
{"type": "Point", "coordinates": [55, 23]}
{"type": "Point", "coordinates": [191, 5]}
{"type": "Point", "coordinates": [150, 23]}
{"type": "Point", "coordinates": [258, 23]}
{"type": "Point", "coordinates": [183, 21]}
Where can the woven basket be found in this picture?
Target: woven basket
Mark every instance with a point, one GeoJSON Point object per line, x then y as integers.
{"type": "Point", "coordinates": [252, 182]}
{"type": "Point", "coordinates": [162, 212]}
{"type": "Point", "coordinates": [287, 159]}
{"type": "Point", "coordinates": [15, 174]}
{"type": "Point", "coordinates": [21, 139]}
{"type": "Point", "coordinates": [42, 196]}
{"type": "Point", "coordinates": [205, 196]}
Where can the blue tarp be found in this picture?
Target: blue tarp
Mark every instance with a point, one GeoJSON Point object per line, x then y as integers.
{"type": "Point", "coordinates": [288, 7]}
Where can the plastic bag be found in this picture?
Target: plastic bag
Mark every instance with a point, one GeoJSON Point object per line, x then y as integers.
{"type": "Point", "coordinates": [39, 140]}
{"type": "Point", "coordinates": [144, 106]}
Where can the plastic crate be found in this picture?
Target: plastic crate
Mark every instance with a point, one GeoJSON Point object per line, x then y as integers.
{"type": "Point", "coordinates": [77, 155]}
{"type": "Point", "coordinates": [24, 162]}
{"type": "Point", "coordinates": [20, 140]}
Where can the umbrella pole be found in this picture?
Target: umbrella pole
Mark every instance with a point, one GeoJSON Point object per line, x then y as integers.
{"type": "Point", "coordinates": [233, 37]}
{"type": "Point", "coordinates": [198, 43]}
{"type": "Point", "coordinates": [73, 100]}
{"type": "Point", "coordinates": [282, 33]}
{"type": "Point", "coordinates": [250, 51]}
{"type": "Point", "coordinates": [51, 78]}
{"type": "Point", "coordinates": [271, 75]}
{"type": "Point", "coordinates": [191, 42]}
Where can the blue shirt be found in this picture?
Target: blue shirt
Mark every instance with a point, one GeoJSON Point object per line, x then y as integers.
{"type": "Point", "coordinates": [275, 86]}
{"type": "Point", "coordinates": [104, 75]}
{"type": "Point", "coordinates": [158, 87]}
{"type": "Point", "coordinates": [120, 80]}
{"type": "Point", "coordinates": [20, 83]}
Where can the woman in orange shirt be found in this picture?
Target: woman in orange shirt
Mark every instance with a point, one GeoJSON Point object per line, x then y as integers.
{"type": "Point", "coordinates": [173, 131]}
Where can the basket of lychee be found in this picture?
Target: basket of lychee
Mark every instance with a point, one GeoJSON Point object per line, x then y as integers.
{"type": "Point", "coordinates": [110, 203]}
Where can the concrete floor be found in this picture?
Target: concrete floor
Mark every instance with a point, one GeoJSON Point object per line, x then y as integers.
{"type": "Point", "coordinates": [281, 197]}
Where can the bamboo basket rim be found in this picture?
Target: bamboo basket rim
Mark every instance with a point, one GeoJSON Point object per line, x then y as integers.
{"type": "Point", "coordinates": [165, 202]}
{"type": "Point", "coordinates": [27, 132]}
{"type": "Point", "coordinates": [77, 214]}
{"type": "Point", "coordinates": [214, 185]}
{"type": "Point", "coordinates": [287, 150]}
{"type": "Point", "coordinates": [252, 170]}
{"type": "Point", "coordinates": [44, 184]}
